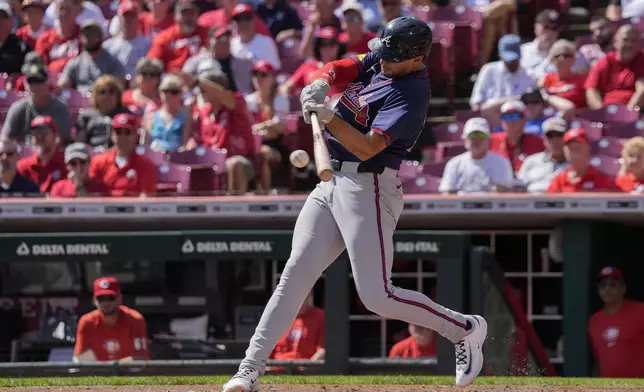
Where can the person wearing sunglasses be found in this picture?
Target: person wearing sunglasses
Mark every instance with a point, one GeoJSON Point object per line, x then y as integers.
{"type": "Point", "coordinates": [602, 30]}
{"type": "Point", "coordinates": [580, 175]}
{"type": "Point", "coordinates": [46, 165]}
{"type": "Point", "coordinates": [478, 169]}
{"type": "Point", "coordinates": [631, 177]}
{"type": "Point", "coordinates": [94, 123]}
{"type": "Point", "coordinates": [563, 89]}
{"type": "Point", "coordinates": [615, 330]}
{"type": "Point", "coordinates": [112, 332]}
{"type": "Point", "coordinates": [513, 143]}
{"type": "Point", "coordinates": [247, 43]}
{"type": "Point", "coordinates": [280, 18]}
{"type": "Point", "coordinates": [535, 111]}
{"type": "Point", "coordinates": [78, 182]}
{"type": "Point", "coordinates": [33, 13]}
{"type": "Point", "coordinates": [538, 170]}
{"type": "Point", "coordinates": [143, 96]}
{"type": "Point", "coordinates": [12, 182]}
{"type": "Point", "coordinates": [354, 35]}
{"type": "Point", "coordinates": [125, 172]}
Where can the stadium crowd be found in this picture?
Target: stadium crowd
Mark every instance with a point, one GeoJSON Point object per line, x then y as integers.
{"type": "Point", "coordinates": [138, 98]}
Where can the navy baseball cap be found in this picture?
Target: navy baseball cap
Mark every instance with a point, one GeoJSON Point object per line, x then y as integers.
{"type": "Point", "coordinates": [510, 48]}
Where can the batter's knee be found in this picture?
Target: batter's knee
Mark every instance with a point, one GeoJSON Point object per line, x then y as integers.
{"type": "Point", "coordinates": [375, 301]}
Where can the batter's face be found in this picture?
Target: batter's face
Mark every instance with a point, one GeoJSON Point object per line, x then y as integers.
{"type": "Point", "coordinates": [394, 70]}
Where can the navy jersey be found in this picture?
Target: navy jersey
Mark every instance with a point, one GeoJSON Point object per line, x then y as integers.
{"type": "Point", "coordinates": [395, 108]}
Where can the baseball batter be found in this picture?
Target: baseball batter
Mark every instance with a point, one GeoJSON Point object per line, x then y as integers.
{"type": "Point", "coordinates": [376, 122]}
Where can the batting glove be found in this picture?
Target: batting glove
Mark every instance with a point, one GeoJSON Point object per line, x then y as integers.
{"type": "Point", "coordinates": [325, 115]}
{"type": "Point", "coordinates": [316, 92]}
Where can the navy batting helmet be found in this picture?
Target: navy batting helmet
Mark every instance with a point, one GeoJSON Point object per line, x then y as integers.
{"type": "Point", "coordinates": [403, 38]}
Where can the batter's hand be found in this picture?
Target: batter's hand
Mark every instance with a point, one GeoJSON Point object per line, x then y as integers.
{"type": "Point", "coordinates": [316, 92]}
{"type": "Point", "coordinates": [325, 115]}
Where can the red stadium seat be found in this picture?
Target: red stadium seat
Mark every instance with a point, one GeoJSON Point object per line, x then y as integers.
{"type": "Point", "coordinates": [434, 169]}
{"type": "Point", "coordinates": [423, 183]}
{"type": "Point", "coordinates": [594, 130]}
{"type": "Point", "coordinates": [606, 164]}
{"type": "Point", "coordinates": [408, 169]}
{"type": "Point", "coordinates": [462, 116]}
{"type": "Point", "coordinates": [608, 146]}
{"type": "Point", "coordinates": [625, 131]}
{"type": "Point", "coordinates": [611, 114]}
{"type": "Point", "coordinates": [6, 99]}
{"type": "Point", "coordinates": [448, 150]}
{"type": "Point", "coordinates": [208, 168]}
{"type": "Point", "coordinates": [289, 54]}
{"type": "Point", "coordinates": [172, 178]}
{"type": "Point", "coordinates": [157, 157]}
{"type": "Point", "coordinates": [76, 101]}
{"type": "Point", "coordinates": [440, 65]}
{"type": "Point", "coordinates": [448, 132]}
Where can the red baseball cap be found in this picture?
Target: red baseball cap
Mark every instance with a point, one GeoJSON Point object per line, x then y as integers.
{"type": "Point", "coordinates": [127, 6]}
{"type": "Point", "coordinates": [610, 272]}
{"type": "Point", "coordinates": [264, 66]}
{"type": "Point", "coordinates": [106, 286]}
{"type": "Point", "coordinates": [328, 32]}
{"type": "Point", "coordinates": [43, 121]}
{"type": "Point", "coordinates": [575, 135]}
{"type": "Point", "coordinates": [125, 120]}
{"type": "Point", "coordinates": [241, 9]}
{"type": "Point", "coordinates": [220, 32]}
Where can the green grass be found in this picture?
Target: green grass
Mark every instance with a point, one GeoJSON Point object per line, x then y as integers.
{"type": "Point", "coordinates": [364, 380]}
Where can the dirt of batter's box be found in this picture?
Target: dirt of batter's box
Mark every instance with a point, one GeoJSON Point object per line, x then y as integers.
{"type": "Point", "coordinates": [332, 388]}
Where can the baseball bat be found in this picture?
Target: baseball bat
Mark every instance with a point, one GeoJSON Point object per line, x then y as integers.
{"type": "Point", "coordinates": [320, 151]}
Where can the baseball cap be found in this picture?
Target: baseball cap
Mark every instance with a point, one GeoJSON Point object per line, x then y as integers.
{"type": "Point", "coordinates": [476, 124]}
{"type": "Point", "coordinates": [348, 5]}
{"type": "Point", "coordinates": [76, 151]}
{"type": "Point", "coordinates": [219, 31]}
{"type": "Point", "coordinates": [42, 122]}
{"type": "Point", "coordinates": [91, 24]}
{"type": "Point", "coordinates": [185, 4]}
{"type": "Point", "coordinates": [264, 66]}
{"type": "Point", "coordinates": [555, 124]}
{"type": "Point", "coordinates": [6, 8]}
{"type": "Point", "coordinates": [510, 48]}
{"type": "Point", "coordinates": [127, 6]}
{"type": "Point", "coordinates": [33, 3]}
{"type": "Point", "coordinates": [106, 286]}
{"type": "Point", "coordinates": [513, 106]}
{"type": "Point", "coordinates": [125, 120]}
{"type": "Point", "coordinates": [532, 96]}
{"type": "Point", "coordinates": [328, 32]}
{"type": "Point", "coordinates": [575, 135]}
{"type": "Point", "coordinates": [242, 9]}
{"type": "Point", "coordinates": [610, 272]}
{"type": "Point", "coordinates": [36, 73]}
{"type": "Point", "coordinates": [548, 18]}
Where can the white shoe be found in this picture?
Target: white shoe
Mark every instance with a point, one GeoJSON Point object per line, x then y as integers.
{"type": "Point", "coordinates": [246, 380]}
{"type": "Point", "coordinates": [469, 352]}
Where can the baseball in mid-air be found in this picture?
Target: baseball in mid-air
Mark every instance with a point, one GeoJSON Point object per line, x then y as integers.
{"type": "Point", "coordinates": [300, 158]}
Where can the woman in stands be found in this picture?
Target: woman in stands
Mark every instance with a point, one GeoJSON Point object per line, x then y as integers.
{"type": "Point", "coordinates": [169, 128]}
{"type": "Point", "coordinates": [267, 109]}
{"type": "Point", "coordinates": [564, 89]}
{"type": "Point", "coordinates": [94, 124]}
{"type": "Point", "coordinates": [145, 94]}
{"type": "Point", "coordinates": [631, 176]}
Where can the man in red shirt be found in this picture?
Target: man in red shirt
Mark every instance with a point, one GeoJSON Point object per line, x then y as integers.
{"type": "Point", "coordinates": [513, 143]}
{"type": "Point", "coordinates": [224, 123]}
{"type": "Point", "coordinates": [354, 35]}
{"type": "Point", "coordinates": [305, 338]}
{"type": "Point", "coordinates": [59, 44]}
{"type": "Point", "coordinates": [618, 78]}
{"type": "Point", "coordinates": [124, 171]}
{"type": "Point", "coordinates": [33, 12]}
{"type": "Point", "coordinates": [46, 166]}
{"type": "Point", "coordinates": [223, 17]}
{"type": "Point", "coordinates": [617, 329]}
{"type": "Point", "coordinates": [158, 19]}
{"type": "Point", "coordinates": [632, 179]}
{"type": "Point", "coordinates": [182, 40]}
{"type": "Point", "coordinates": [78, 182]}
{"type": "Point", "coordinates": [420, 344]}
{"type": "Point", "coordinates": [112, 332]}
{"type": "Point", "coordinates": [580, 176]}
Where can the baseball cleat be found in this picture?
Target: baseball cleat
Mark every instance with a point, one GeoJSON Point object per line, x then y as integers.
{"type": "Point", "coordinates": [469, 352]}
{"type": "Point", "coordinates": [246, 380]}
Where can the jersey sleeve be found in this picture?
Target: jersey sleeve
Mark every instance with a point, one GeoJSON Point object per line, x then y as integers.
{"type": "Point", "coordinates": [398, 116]}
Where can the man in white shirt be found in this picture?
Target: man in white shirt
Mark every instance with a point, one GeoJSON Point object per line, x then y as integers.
{"type": "Point", "coordinates": [248, 44]}
{"type": "Point", "coordinates": [478, 169]}
{"type": "Point", "coordinates": [539, 169]}
{"type": "Point", "coordinates": [89, 12]}
{"type": "Point", "coordinates": [501, 81]}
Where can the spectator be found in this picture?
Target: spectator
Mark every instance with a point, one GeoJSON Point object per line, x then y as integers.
{"type": "Point", "coordinates": [618, 77]}
{"type": "Point", "coordinates": [268, 109]}
{"type": "Point", "coordinates": [326, 48]}
{"type": "Point", "coordinates": [170, 126]}
{"type": "Point", "coordinates": [497, 16]}
{"type": "Point", "coordinates": [13, 183]}
{"type": "Point", "coordinates": [125, 172]}
{"type": "Point", "coordinates": [129, 46]}
{"type": "Point", "coordinates": [538, 170]}
{"type": "Point", "coordinates": [580, 176]}
{"type": "Point", "coordinates": [501, 81]}
{"type": "Point", "coordinates": [112, 332]}
{"type": "Point", "coordinates": [94, 123]}
{"type": "Point", "coordinates": [631, 178]}
{"type": "Point", "coordinates": [535, 112]}
{"type": "Point", "coordinates": [388, 10]}
{"type": "Point", "coordinates": [31, 58]}
{"type": "Point", "coordinates": [513, 143]}
{"type": "Point", "coordinates": [248, 44]}
{"type": "Point", "coordinates": [478, 169]}
{"type": "Point", "coordinates": [305, 338]}
{"type": "Point", "coordinates": [159, 18]}
{"type": "Point", "coordinates": [421, 343]}
{"type": "Point", "coordinates": [33, 12]}
{"type": "Point", "coordinates": [238, 70]}
{"type": "Point", "coordinates": [87, 11]}
{"type": "Point", "coordinates": [354, 36]}
{"type": "Point", "coordinates": [223, 17]}
{"type": "Point", "coordinates": [12, 48]}
{"type": "Point", "coordinates": [321, 15]}
{"type": "Point", "coordinates": [224, 123]}
{"type": "Point", "coordinates": [40, 102]}
{"type": "Point", "coordinates": [59, 44]}
{"type": "Point", "coordinates": [564, 88]}
{"type": "Point", "coordinates": [78, 183]}
{"type": "Point", "coordinates": [46, 166]}
{"type": "Point", "coordinates": [82, 71]}
{"type": "Point", "coordinates": [616, 329]}
{"type": "Point", "coordinates": [603, 31]}
{"type": "Point", "coordinates": [280, 17]}
{"type": "Point", "coordinates": [177, 43]}
{"type": "Point", "coordinates": [144, 96]}
{"type": "Point", "coordinates": [618, 10]}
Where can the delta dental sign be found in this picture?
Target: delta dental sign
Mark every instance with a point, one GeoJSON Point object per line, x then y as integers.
{"type": "Point", "coordinates": [25, 249]}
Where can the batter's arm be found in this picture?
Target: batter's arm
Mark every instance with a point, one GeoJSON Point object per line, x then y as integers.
{"type": "Point", "coordinates": [363, 146]}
